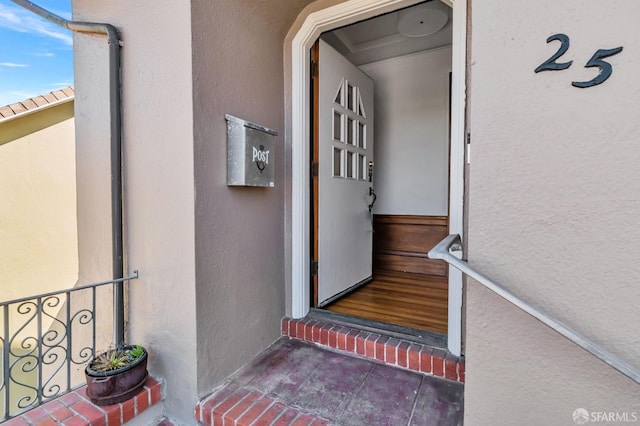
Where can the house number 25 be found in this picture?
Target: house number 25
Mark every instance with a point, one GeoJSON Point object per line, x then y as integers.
{"type": "Point", "coordinates": [595, 61]}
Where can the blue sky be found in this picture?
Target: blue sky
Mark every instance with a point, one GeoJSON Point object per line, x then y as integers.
{"type": "Point", "coordinates": [36, 57]}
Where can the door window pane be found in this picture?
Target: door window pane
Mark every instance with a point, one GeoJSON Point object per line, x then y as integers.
{"type": "Point", "coordinates": [350, 131]}
{"type": "Point", "coordinates": [362, 167]}
{"type": "Point", "coordinates": [339, 97]}
{"type": "Point", "coordinates": [337, 126]}
{"type": "Point", "coordinates": [350, 164]}
{"type": "Point", "coordinates": [337, 162]}
{"type": "Point", "coordinates": [362, 135]}
{"type": "Point", "coordinates": [351, 99]}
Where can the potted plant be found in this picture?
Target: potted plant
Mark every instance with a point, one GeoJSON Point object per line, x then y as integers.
{"type": "Point", "coordinates": [116, 375]}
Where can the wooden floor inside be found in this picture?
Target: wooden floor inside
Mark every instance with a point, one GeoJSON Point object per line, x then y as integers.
{"type": "Point", "coordinates": [400, 298]}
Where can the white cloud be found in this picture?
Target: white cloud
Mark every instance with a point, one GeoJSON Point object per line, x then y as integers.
{"type": "Point", "coordinates": [43, 54]}
{"type": "Point", "coordinates": [18, 19]}
{"type": "Point", "coordinates": [12, 65]}
{"type": "Point", "coordinates": [61, 85]}
{"type": "Point", "coordinates": [13, 96]}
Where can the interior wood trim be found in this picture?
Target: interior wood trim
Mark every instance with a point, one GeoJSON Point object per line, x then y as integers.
{"type": "Point", "coordinates": [411, 219]}
{"type": "Point", "coordinates": [315, 148]}
{"type": "Point", "coordinates": [403, 253]}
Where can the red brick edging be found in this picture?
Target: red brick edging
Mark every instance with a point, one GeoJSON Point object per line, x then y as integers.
{"type": "Point", "coordinates": [75, 409]}
{"type": "Point", "coordinates": [374, 346]}
{"type": "Point", "coordinates": [242, 407]}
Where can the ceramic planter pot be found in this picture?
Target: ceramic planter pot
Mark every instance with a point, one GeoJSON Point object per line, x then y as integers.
{"type": "Point", "coordinates": [115, 386]}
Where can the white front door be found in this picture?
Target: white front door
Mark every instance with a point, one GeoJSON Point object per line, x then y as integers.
{"type": "Point", "coordinates": [345, 152]}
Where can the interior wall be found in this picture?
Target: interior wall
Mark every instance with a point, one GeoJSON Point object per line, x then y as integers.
{"type": "Point", "coordinates": [411, 150]}
{"type": "Point", "coordinates": [554, 211]}
{"type": "Point", "coordinates": [238, 70]}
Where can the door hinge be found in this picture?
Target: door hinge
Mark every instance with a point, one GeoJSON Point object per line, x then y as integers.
{"type": "Point", "coordinates": [314, 170]}
{"type": "Point", "coordinates": [315, 70]}
{"type": "Point", "coordinates": [314, 267]}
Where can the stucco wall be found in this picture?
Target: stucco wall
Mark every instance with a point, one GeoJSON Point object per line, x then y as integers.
{"type": "Point", "coordinates": [411, 148]}
{"type": "Point", "coordinates": [38, 227]}
{"type": "Point", "coordinates": [238, 69]}
{"type": "Point", "coordinates": [554, 210]}
{"type": "Point", "coordinates": [158, 167]}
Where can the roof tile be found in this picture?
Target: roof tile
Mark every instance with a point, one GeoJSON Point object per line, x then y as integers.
{"type": "Point", "coordinates": [40, 101]}
{"type": "Point", "coordinates": [36, 102]}
{"type": "Point", "coordinates": [17, 108]}
{"type": "Point", "coordinates": [49, 97]}
{"type": "Point", "coordinates": [29, 104]}
{"type": "Point", "coordinates": [6, 111]}
{"type": "Point", "coordinates": [59, 94]}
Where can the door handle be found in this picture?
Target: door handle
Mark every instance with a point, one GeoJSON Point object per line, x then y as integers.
{"type": "Point", "coordinates": [375, 197]}
{"type": "Point", "coordinates": [371, 191]}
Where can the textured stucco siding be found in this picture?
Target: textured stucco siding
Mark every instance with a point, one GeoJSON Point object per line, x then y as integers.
{"type": "Point", "coordinates": [239, 70]}
{"type": "Point", "coordinates": [158, 180]}
{"type": "Point", "coordinates": [554, 210]}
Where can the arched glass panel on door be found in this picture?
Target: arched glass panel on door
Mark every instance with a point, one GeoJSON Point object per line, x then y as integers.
{"type": "Point", "coordinates": [349, 127]}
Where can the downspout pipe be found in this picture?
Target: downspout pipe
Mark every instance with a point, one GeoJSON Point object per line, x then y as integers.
{"type": "Point", "coordinates": [113, 40]}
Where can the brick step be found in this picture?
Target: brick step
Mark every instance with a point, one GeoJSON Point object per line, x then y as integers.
{"type": "Point", "coordinates": [236, 405]}
{"type": "Point", "coordinates": [75, 408]}
{"type": "Point", "coordinates": [294, 382]}
{"type": "Point", "coordinates": [377, 347]}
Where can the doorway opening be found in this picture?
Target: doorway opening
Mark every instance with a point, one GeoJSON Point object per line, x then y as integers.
{"type": "Point", "coordinates": [394, 223]}
{"type": "Point", "coordinates": [381, 111]}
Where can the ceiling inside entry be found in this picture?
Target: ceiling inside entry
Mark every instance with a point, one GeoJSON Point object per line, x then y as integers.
{"type": "Point", "coordinates": [414, 29]}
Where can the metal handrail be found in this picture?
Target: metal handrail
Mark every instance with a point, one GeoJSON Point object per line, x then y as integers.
{"type": "Point", "coordinates": [80, 287]}
{"type": "Point", "coordinates": [453, 242]}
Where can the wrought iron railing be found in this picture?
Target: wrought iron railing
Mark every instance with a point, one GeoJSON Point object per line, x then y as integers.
{"type": "Point", "coordinates": [47, 339]}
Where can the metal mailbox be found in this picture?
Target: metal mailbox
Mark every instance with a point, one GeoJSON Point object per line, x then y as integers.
{"type": "Point", "coordinates": [250, 159]}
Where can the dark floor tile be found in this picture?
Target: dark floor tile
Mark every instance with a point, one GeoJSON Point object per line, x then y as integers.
{"type": "Point", "coordinates": [346, 391]}
{"type": "Point", "coordinates": [385, 399]}
{"type": "Point", "coordinates": [285, 371]}
{"type": "Point", "coordinates": [439, 403]}
{"type": "Point", "coordinates": [263, 360]}
{"type": "Point", "coordinates": [332, 385]}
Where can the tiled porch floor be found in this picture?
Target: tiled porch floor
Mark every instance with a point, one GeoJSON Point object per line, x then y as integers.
{"type": "Point", "coordinates": [297, 383]}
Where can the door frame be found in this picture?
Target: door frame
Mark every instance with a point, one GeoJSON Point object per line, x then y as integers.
{"type": "Point", "coordinates": [333, 17]}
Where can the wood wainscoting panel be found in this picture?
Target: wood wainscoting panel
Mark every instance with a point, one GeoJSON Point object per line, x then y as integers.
{"type": "Point", "coordinates": [401, 243]}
